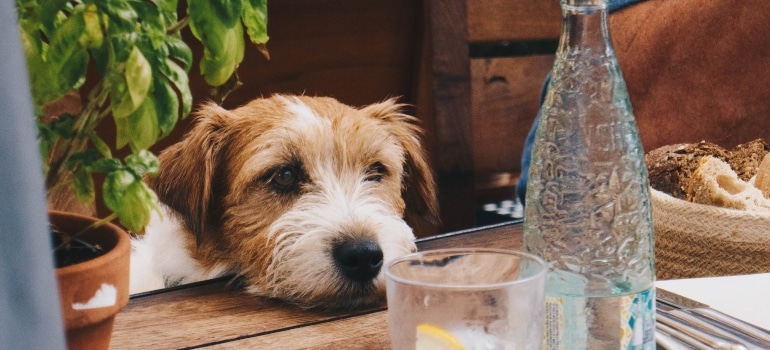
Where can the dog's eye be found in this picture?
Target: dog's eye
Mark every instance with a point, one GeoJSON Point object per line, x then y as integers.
{"type": "Point", "coordinates": [286, 178]}
{"type": "Point", "coordinates": [376, 172]}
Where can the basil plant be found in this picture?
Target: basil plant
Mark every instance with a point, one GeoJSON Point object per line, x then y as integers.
{"type": "Point", "coordinates": [127, 60]}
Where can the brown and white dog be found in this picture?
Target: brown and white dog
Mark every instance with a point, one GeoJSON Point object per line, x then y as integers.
{"type": "Point", "coordinates": [303, 197]}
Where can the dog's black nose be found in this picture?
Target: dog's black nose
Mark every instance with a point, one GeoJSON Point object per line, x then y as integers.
{"type": "Point", "coordinates": [359, 260]}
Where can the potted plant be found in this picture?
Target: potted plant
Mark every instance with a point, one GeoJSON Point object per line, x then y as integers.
{"type": "Point", "coordinates": [123, 60]}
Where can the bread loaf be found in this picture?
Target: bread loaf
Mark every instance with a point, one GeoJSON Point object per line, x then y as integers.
{"type": "Point", "coordinates": [670, 167]}
{"type": "Point", "coordinates": [762, 180]}
{"type": "Point", "coordinates": [706, 173]}
{"type": "Point", "coordinates": [744, 159]}
{"type": "Point", "coordinates": [715, 183]}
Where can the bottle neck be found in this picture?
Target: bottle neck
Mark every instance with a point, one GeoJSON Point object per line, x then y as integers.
{"type": "Point", "coordinates": [602, 3]}
{"type": "Point", "coordinates": [584, 28]}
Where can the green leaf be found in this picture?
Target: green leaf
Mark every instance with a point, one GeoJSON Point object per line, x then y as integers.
{"type": "Point", "coordinates": [114, 189]}
{"type": "Point", "coordinates": [83, 185]}
{"type": "Point", "coordinates": [43, 91]}
{"type": "Point", "coordinates": [101, 146]}
{"type": "Point", "coordinates": [106, 165]}
{"type": "Point", "coordinates": [179, 51]}
{"type": "Point", "coordinates": [255, 20]}
{"type": "Point", "coordinates": [166, 105]}
{"type": "Point", "coordinates": [63, 125]}
{"type": "Point", "coordinates": [67, 58]}
{"type": "Point", "coordinates": [92, 35]}
{"type": "Point", "coordinates": [129, 197]}
{"type": "Point", "coordinates": [165, 96]}
{"type": "Point", "coordinates": [217, 68]}
{"type": "Point", "coordinates": [137, 203]}
{"type": "Point", "coordinates": [85, 158]}
{"type": "Point", "coordinates": [151, 24]}
{"type": "Point", "coordinates": [46, 139]}
{"type": "Point", "coordinates": [101, 55]}
{"type": "Point", "coordinates": [28, 10]}
{"type": "Point", "coordinates": [122, 17]}
{"type": "Point", "coordinates": [178, 76]}
{"type": "Point", "coordinates": [122, 132]}
{"type": "Point", "coordinates": [143, 130]}
{"type": "Point", "coordinates": [29, 21]}
{"type": "Point", "coordinates": [168, 10]}
{"type": "Point", "coordinates": [226, 12]}
{"type": "Point", "coordinates": [138, 76]}
{"type": "Point", "coordinates": [205, 25]}
{"type": "Point", "coordinates": [49, 12]}
{"type": "Point", "coordinates": [143, 162]}
{"type": "Point", "coordinates": [120, 99]}
{"type": "Point", "coordinates": [130, 90]}
{"type": "Point", "coordinates": [121, 23]}
{"type": "Point", "coordinates": [223, 43]}
{"type": "Point", "coordinates": [34, 48]}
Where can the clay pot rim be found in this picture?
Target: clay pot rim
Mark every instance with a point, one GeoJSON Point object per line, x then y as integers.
{"type": "Point", "coordinates": [122, 245]}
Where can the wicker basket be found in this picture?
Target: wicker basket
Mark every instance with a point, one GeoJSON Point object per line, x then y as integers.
{"type": "Point", "coordinates": [696, 240]}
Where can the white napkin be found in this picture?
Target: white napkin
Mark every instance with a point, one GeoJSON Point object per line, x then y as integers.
{"type": "Point", "coordinates": [746, 297]}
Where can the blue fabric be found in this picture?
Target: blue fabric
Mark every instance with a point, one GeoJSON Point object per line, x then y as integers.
{"type": "Point", "coordinates": [526, 157]}
{"type": "Point", "coordinates": [29, 299]}
{"type": "Point", "coordinates": [619, 4]}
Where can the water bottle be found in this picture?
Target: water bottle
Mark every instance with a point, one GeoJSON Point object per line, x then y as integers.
{"type": "Point", "coordinates": [588, 211]}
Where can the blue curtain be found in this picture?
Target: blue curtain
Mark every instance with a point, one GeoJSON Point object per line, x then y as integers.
{"type": "Point", "coordinates": [30, 317]}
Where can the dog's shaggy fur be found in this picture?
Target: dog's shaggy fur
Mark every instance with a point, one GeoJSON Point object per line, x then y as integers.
{"type": "Point", "coordinates": [303, 197]}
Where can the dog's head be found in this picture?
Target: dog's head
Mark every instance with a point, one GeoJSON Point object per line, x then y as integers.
{"type": "Point", "coordinates": [305, 197]}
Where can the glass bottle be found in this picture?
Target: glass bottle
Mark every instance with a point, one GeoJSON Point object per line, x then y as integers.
{"type": "Point", "coordinates": [588, 211]}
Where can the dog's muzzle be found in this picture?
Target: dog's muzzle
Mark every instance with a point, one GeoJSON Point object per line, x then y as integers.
{"type": "Point", "coordinates": [358, 260]}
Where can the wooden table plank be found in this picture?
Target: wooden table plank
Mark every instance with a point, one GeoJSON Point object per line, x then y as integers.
{"type": "Point", "coordinates": [368, 331]}
{"type": "Point", "coordinates": [215, 314]}
{"type": "Point", "coordinates": [205, 313]}
{"type": "Point", "coordinates": [502, 236]}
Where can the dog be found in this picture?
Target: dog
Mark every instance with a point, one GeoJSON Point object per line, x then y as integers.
{"type": "Point", "coordinates": [304, 198]}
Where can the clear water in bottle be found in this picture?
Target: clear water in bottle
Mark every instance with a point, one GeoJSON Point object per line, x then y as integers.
{"type": "Point", "coordinates": [588, 211]}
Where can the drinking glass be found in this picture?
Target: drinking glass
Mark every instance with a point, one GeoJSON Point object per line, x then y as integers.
{"type": "Point", "coordinates": [473, 298]}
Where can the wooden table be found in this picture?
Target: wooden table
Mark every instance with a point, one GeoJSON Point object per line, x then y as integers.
{"type": "Point", "coordinates": [217, 315]}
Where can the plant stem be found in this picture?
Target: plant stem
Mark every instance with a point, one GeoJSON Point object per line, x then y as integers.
{"type": "Point", "coordinates": [66, 240]}
{"type": "Point", "coordinates": [85, 124]}
{"type": "Point", "coordinates": [178, 26]}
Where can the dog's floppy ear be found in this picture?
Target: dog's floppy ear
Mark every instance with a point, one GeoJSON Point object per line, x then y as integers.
{"type": "Point", "coordinates": [419, 189]}
{"type": "Point", "coordinates": [187, 178]}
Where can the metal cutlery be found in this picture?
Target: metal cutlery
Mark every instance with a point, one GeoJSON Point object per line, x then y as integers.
{"type": "Point", "coordinates": [691, 332]}
{"type": "Point", "coordinates": [706, 325]}
{"type": "Point", "coordinates": [672, 339]}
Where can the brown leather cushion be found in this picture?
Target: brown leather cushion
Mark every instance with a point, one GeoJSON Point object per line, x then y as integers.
{"type": "Point", "coordinates": [696, 70]}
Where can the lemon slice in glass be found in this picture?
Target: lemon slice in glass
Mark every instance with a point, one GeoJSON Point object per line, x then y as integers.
{"type": "Point", "coordinates": [430, 337]}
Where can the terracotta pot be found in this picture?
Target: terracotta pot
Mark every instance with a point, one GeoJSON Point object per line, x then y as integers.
{"type": "Point", "coordinates": [93, 292]}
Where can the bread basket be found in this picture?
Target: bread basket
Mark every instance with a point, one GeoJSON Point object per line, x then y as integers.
{"type": "Point", "coordinates": [697, 240]}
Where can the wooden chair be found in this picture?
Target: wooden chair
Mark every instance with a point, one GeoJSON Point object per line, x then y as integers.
{"type": "Point", "coordinates": [482, 71]}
